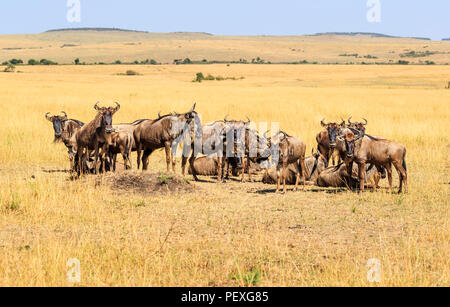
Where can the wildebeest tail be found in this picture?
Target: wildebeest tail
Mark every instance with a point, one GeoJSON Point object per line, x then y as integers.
{"type": "Point", "coordinates": [404, 160]}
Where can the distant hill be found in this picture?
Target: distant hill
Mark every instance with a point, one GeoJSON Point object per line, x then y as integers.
{"type": "Point", "coordinates": [446, 39]}
{"type": "Point", "coordinates": [371, 34]}
{"type": "Point", "coordinates": [95, 29]}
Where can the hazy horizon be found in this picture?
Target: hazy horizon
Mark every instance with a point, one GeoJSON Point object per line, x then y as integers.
{"type": "Point", "coordinates": [403, 18]}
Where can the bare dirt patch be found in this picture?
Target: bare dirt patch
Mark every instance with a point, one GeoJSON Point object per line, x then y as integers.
{"type": "Point", "coordinates": [144, 183]}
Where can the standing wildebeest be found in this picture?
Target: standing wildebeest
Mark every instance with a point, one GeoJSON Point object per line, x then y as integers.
{"type": "Point", "coordinates": [209, 139]}
{"type": "Point", "coordinates": [122, 142]}
{"type": "Point", "coordinates": [64, 129]}
{"type": "Point", "coordinates": [314, 166]}
{"type": "Point", "coordinates": [290, 150]}
{"type": "Point", "coordinates": [94, 135]}
{"type": "Point", "coordinates": [326, 140]}
{"type": "Point", "coordinates": [361, 149]}
{"type": "Point", "coordinates": [360, 126]}
{"type": "Point", "coordinates": [161, 133]}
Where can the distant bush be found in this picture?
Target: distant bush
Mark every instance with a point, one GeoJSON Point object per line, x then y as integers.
{"type": "Point", "coordinates": [16, 61]}
{"type": "Point", "coordinates": [199, 77]}
{"type": "Point", "coordinates": [77, 61]}
{"type": "Point", "coordinates": [430, 63]}
{"type": "Point", "coordinates": [10, 68]}
{"type": "Point", "coordinates": [187, 61]}
{"type": "Point", "coordinates": [33, 62]}
{"type": "Point", "coordinates": [118, 62]}
{"type": "Point", "coordinates": [47, 62]}
{"type": "Point", "coordinates": [402, 62]}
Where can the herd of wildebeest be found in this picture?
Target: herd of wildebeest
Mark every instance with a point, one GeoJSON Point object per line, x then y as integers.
{"type": "Point", "coordinates": [233, 146]}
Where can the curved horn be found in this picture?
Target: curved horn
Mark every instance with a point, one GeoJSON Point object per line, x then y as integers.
{"type": "Point", "coordinates": [65, 115]}
{"type": "Point", "coordinates": [225, 119]}
{"type": "Point", "coordinates": [265, 134]}
{"type": "Point", "coordinates": [48, 117]}
{"type": "Point", "coordinates": [193, 107]}
{"type": "Point", "coordinates": [365, 121]}
{"type": "Point", "coordinates": [96, 106]}
{"type": "Point", "coordinates": [159, 114]}
{"type": "Point", "coordinates": [249, 120]}
{"type": "Point", "coordinates": [323, 123]}
{"type": "Point", "coordinates": [117, 108]}
{"type": "Point", "coordinates": [350, 120]}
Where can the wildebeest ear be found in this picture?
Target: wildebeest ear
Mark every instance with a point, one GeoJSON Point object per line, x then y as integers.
{"type": "Point", "coordinates": [193, 107]}
{"type": "Point", "coordinates": [323, 123]}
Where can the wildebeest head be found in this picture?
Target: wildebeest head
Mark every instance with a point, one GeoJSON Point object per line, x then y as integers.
{"type": "Point", "coordinates": [360, 126]}
{"type": "Point", "coordinates": [347, 141]}
{"type": "Point", "coordinates": [106, 116]}
{"type": "Point", "coordinates": [332, 130]}
{"type": "Point", "coordinates": [57, 122]}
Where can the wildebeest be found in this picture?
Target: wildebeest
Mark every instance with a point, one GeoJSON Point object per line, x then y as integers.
{"type": "Point", "coordinates": [94, 135]}
{"type": "Point", "coordinates": [363, 148]}
{"type": "Point", "coordinates": [360, 126]}
{"type": "Point", "coordinates": [122, 142]}
{"type": "Point", "coordinates": [326, 140]}
{"type": "Point", "coordinates": [209, 140]}
{"type": "Point", "coordinates": [161, 133]}
{"type": "Point", "coordinates": [64, 129]}
{"type": "Point", "coordinates": [290, 150]}
{"type": "Point", "coordinates": [337, 177]}
{"type": "Point", "coordinates": [315, 164]}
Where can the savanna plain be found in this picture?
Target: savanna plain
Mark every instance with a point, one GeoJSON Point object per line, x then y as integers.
{"type": "Point", "coordinates": [227, 234]}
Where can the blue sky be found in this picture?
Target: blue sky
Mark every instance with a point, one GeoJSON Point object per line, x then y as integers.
{"type": "Point", "coordinates": [270, 17]}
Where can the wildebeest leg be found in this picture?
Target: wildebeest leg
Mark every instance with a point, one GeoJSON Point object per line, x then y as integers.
{"type": "Point", "coordinates": [139, 150]}
{"type": "Point", "coordinates": [303, 166]}
{"type": "Point", "coordinates": [388, 168]}
{"type": "Point", "coordinates": [183, 165]}
{"type": "Point", "coordinates": [285, 173]}
{"type": "Point", "coordinates": [80, 161]}
{"type": "Point", "coordinates": [168, 153]}
{"type": "Point", "coordinates": [362, 175]}
{"type": "Point", "coordinates": [174, 161]}
{"type": "Point", "coordinates": [401, 175]}
{"type": "Point", "coordinates": [191, 166]}
{"type": "Point", "coordinates": [145, 157]}
{"type": "Point", "coordinates": [220, 170]}
{"type": "Point", "coordinates": [243, 165]}
{"type": "Point", "coordinates": [278, 180]}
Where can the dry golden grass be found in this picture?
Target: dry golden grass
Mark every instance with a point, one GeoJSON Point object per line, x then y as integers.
{"type": "Point", "coordinates": [221, 233]}
{"type": "Point", "coordinates": [91, 46]}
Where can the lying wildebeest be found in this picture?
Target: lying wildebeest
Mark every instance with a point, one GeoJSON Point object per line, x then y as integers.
{"type": "Point", "coordinates": [161, 133]}
{"type": "Point", "coordinates": [209, 165]}
{"type": "Point", "coordinates": [95, 135]}
{"type": "Point", "coordinates": [363, 148]}
{"type": "Point", "coordinates": [290, 150]}
{"type": "Point", "coordinates": [122, 142]}
{"type": "Point", "coordinates": [326, 140]}
{"type": "Point", "coordinates": [314, 166]}
{"type": "Point", "coordinates": [337, 177]}
{"type": "Point", "coordinates": [64, 129]}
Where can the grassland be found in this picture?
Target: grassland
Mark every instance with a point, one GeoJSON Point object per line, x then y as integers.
{"type": "Point", "coordinates": [224, 234]}
{"type": "Point", "coordinates": [108, 46]}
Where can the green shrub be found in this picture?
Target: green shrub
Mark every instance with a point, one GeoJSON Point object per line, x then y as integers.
{"type": "Point", "coordinates": [187, 61]}
{"type": "Point", "coordinates": [402, 62]}
{"type": "Point", "coordinates": [16, 61]}
{"type": "Point", "coordinates": [77, 61]}
{"type": "Point", "coordinates": [10, 68]}
{"type": "Point", "coordinates": [47, 62]}
{"type": "Point", "coordinates": [33, 62]}
{"type": "Point", "coordinates": [118, 62]}
{"type": "Point", "coordinates": [199, 77]}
